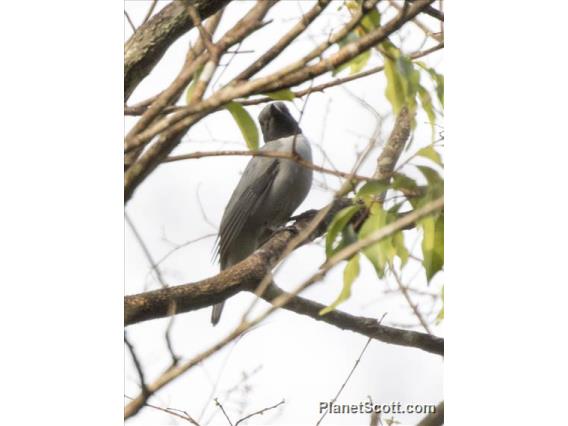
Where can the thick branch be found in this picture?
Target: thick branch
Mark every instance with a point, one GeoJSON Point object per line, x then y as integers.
{"type": "Point", "coordinates": [394, 146]}
{"type": "Point", "coordinates": [149, 43]}
{"type": "Point", "coordinates": [171, 138]}
{"type": "Point", "coordinates": [369, 327]}
{"type": "Point", "coordinates": [246, 275]}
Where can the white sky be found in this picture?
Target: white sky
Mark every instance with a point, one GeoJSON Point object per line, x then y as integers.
{"type": "Point", "coordinates": [303, 361]}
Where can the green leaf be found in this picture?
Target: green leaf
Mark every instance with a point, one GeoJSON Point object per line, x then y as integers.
{"type": "Point", "coordinates": [401, 250]}
{"type": "Point", "coordinates": [437, 78]}
{"type": "Point", "coordinates": [430, 153]}
{"type": "Point", "coordinates": [356, 64]}
{"type": "Point", "coordinates": [246, 124]}
{"type": "Point", "coordinates": [372, 190]}
{"type": "Point", "coordinates": [426, 101]}
{"type": "Point", "coordinates": [403, 182]}
{"type": "Point", "coordinates": [340, 220]}
{"type": "Point", "coordinates": [440, 316]}
{"type": "Point", "coordinates": [382, 252]}
{"type": "Point", "coordinates": [432, 244]}
{"type": "Point", "coordinates": [191, 86]}
{"type": "Point", "coordinates": [395, 89]}
{"type": "Point", "coordinates": [350, 273]}
{"type": "Point", "coordinates": [371, 20]}
{"type": "Point", "coordinates": [281, 95]}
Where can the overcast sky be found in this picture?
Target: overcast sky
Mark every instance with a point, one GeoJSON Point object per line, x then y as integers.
{"type": "Point", "coordinates": [293, 357]}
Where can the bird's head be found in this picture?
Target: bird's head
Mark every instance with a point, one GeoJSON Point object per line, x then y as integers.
{"type": "Point", "coordinates": [276, 122]}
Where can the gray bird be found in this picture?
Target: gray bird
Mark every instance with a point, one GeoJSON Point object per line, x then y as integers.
{"type": "Point", "coordinates": [268, 193]}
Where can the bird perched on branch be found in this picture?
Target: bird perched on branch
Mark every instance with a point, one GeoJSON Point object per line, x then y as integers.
{"type": "Point", "coordinates": [269, 191]}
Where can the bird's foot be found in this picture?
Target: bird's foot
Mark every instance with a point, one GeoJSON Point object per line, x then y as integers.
{"type": "Point", "coordinates": [290, 228]}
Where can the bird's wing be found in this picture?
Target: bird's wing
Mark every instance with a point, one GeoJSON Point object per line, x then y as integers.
{"type": "Point", "coordinates": [249, 194]}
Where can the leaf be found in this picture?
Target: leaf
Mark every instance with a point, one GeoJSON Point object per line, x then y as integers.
{"type": "Point", "coordinates": [350, 273]}
{"type": "Point", "coordinates": [426, 101]}
{"type": "Point", "coordinates": [359, 61]}
{"type": "Point", "coordinates": [440, 316]}
{"type": "Point", "coordinates": [400, 248]}
{"type": "Point", "coordinates": [432, 244]}
{"type": "Point", "coordinates": [191, 86]}
{"type": "Point", "coordinates": [340, 220]}
{"type": "Point", "coordinates": [431, 175]}
{"type": "Point", "coordinates": [281, 95]}
{"type": "Point", "coordinates": [246, 124]}
{"type": "Point", "coordinates": [372, 190]}
{"type": "Point", "coordinates": [356, 64]}
{"type": "Point", "coordinates": [395, 90]}
{"type": "Point", "coordinates": [430, 153]}
{"type": "Point", "coordinates": [437, 78]}
{"type": "Point", "coordinates": [383, 251]}
{"type": "Point", "coordinates": [371, 20]}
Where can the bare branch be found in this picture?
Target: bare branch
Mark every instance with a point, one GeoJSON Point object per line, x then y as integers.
{"type": "Point", "coordinates": [435, 13]}
{"type": "Point", "coordinates": [173, 411]}
{"type": "Point", "coordinates": [141, 107]}
{"type": "Point", "coordinates": [260, 412]}
{"type": "Point", "coordinates": [177, 124]}
{"type": "Point", "coordinates": [269, 154]}
{"type": "Point", "coordinates": [284, 41]}
{"type": "Point", "coordinates": [132, 26]}
{"type": "Point", "coordinates": [146, 251]}
{"type": "Point", "coordinates": [412, 305]}
{"type": "Point", "coordinates": [150, 11]}
{"type": "Point", "coordinates": [193, 61]}
{"type": "Point", "coordinates": [137, 365]}
{"type": "Point", "coordinates": [362, 325]}
{"type": "Point", "coordinates": [246, 275]}
{"type": "Point", "coordinates": [218, 404]}
{"type": "Point", "coordinates": [171, 138]}
{"type": "Point", "coordinates": [357, 361]}
{"type": "Point", "coordinates": [149, 43]}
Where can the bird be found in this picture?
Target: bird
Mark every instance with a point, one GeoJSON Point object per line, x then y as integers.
{"type": "Point", "coordinates": [268, 193]}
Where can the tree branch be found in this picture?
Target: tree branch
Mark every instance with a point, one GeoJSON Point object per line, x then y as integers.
{"type": "Point", "coordinates": [247, 274]}
{"type": "Point", "coordinates": [151, 40]}
{"type": "Point", "coordinates": [178, 124]}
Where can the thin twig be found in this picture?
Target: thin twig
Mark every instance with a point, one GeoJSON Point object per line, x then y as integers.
{"type": "Point", "coordinates": [260, 412]}
{"type": "Point", "coordinates": [171, 411]}
{"type": "Point", "coordinates": [269, 154]}
{"type": "Point", "coordinates": [146, 251]}
{"type": "Point", "coordinates": [150, 11]}
{"type": "Point", "coordinates": [413, 306]}
{"type": "Point", "coordinates": [130, 21]}
{"type": "Point", "coordinates": [137, 365]}
{"type": "Point", "coordinates": [223, 411]}
{"type": "Point", "coordinates": [141, 107]}
{"type": "Point", "coordinates": [348, 376]}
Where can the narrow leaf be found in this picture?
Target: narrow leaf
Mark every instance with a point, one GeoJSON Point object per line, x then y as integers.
{"type": "Point", "coordinates": [383, 251]}
{"type": "Point", "coordinates": [426, 101]}
{"type": "Point", "coordinates": [432, 245]}
{"type": "Point", "coordinates": [281, 95]}
{"type": "Point", "coordinates": [430, 153]}
{"type": "Point", "coordinates": [350, 273]}
{"type": "Point", "coordinates": [191, 86]}
{"type": "Point", "coordinates": [246, 124]}
{"type": "Point", "coordinates": [340, 220]}
{"type": "Point", "coordinates": [401, 250]}
{"type": "Point", "coordinates": [372, 190]}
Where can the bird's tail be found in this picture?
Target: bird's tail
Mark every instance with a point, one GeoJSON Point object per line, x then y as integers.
{"type": "Point", "coordinates": [216, 313]}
